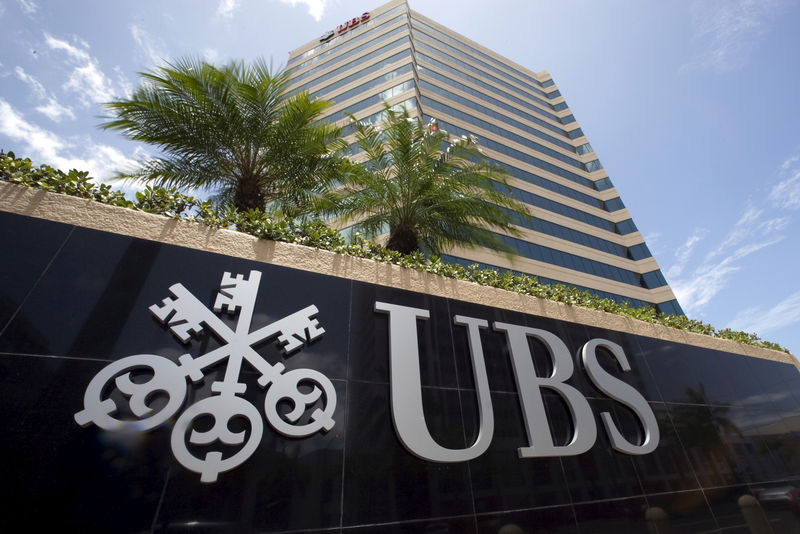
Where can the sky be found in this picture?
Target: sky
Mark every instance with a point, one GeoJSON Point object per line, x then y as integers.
{"type": "Point", "coordinates": [691, 105]}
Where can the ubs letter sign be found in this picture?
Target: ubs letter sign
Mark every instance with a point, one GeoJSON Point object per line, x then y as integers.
{"type": "Point", "coordinates": [406, 391]}
{"type": "Point", "coordinates": [185, 315]}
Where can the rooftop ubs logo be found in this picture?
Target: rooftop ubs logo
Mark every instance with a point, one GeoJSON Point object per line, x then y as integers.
{"type": "Point", "coordinates": [185, 316]}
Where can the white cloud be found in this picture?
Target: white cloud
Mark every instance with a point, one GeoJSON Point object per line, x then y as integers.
{"type": "Point", "coordinates": [695, 287]}
{"type": "Point", "coordinates": [77, 54]}
{"type": "Point", "coordinates": [28, 7]}
{"type": "Point", "coordinates": [86, 78]}
{"type": "Point", "coordinates": [37, 88]}
{"type": "Point", "coordinates": [316, 8]}
{"type": "Point", "coordinates": [696, 291]}
{"type": "Point", "coordinates": [758, 319]}
{"type": "Point", "coordinates": [51, 108]}
{"type": "Point", "coordinates": [147, 45]}
{"type": "Point", "coordinates": [122, 81]}
{"type": "Point", "coordinates": [786, 193]}
{"type": "Point", "coordinates": [727, 31]}
{"type": "Point", "coordinates": [43, 146]}
{"type": "Point", "coordinates": [684, 252]}
{"type": "Point", "coordinates": [225, 8]}
{"type": "Point", "coordinates": [210, 55]}
{"type": "Point", "coordinates": [55, 111]}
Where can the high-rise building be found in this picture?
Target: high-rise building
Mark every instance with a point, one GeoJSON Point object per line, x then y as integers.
{"type": "Point", "coordinates": [581, 233]}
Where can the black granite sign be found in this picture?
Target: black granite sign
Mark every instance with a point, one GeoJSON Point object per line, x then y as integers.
{"type": "Point", "coordinates": [296, 369]}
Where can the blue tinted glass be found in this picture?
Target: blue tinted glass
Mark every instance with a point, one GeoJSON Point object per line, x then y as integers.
{"type": "Point", "coordinates": [670, 308]}
{"type": "Point", "coordinates": [574, 134]}
{"type": "Point", "coordinates": [653, 279]}
{"type": "Point", "coordinates": [626, 227]}
{"type": "Point", "coordinates": [406, 69]}
{"type": "Point", "coordinates": [488, 111]}
{"type": "Point", "coordinates": [457, 76]}
{"type": "Point", "coordinates": [349, 62]}
{"type": "Point", "coordinates": [614, 204]}
{"type": "Point", "coordinates": [638, 252]}
{"type": "Point", "coordinates": [493, 127]}
{"type": "Point", "coordinates": [442, 37]}
{"type": "Point", "coordinates": [636, 303]}
{"type": "Point", "coordinates": [527, 158]}
{"type": "Point", "coordinates": [603, 183]}
{"type": "Point", "coordinates": [592, 166]}
{"type": "Point", "coordinates": [419, 44]}
{"type": "Point", "coordinates": [353, 40]}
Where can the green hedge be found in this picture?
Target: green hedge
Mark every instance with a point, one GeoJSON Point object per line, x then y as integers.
{"type": "Point", "coordinates": [172, 203]}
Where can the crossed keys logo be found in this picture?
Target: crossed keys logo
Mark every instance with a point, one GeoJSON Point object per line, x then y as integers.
{"type": "Point", "coordinates": [185, 316]}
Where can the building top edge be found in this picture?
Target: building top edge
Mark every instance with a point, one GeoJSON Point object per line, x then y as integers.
{"type": "Point", "coordinates": [373, 13]}
{"type": "Point", "coordinates": [541, 75]}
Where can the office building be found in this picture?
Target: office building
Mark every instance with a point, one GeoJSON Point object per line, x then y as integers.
{"type": "Point", "coordinates": [581, 233]}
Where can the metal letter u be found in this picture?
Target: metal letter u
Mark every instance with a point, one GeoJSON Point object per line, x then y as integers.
{"type": "Point", "coordinates": [406, 388]}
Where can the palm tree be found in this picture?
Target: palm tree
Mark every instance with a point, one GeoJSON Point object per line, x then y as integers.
{"type": "Point", "coordinates": [427, 191]}
{"type": "Point", "coordinates": [231, 130]}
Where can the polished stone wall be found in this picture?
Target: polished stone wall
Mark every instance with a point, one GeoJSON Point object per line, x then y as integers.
{"type": "Point", "coordinates": [74, 299]}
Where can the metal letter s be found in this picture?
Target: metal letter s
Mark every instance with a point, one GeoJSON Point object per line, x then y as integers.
{"type": "Point", "coordinates": [622, 392]}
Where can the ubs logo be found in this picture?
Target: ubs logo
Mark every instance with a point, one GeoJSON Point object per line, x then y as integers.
{"type": "Point", "coordinates": [144, 379]}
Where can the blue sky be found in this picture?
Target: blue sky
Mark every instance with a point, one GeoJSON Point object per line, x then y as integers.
{"type": "Point", "coordinates": [692, 106]}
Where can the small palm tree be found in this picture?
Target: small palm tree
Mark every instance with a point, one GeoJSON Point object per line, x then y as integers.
{"type": "Point", "coordinates": [231, 130]}
{"type": "Point", "coordinates": [428, 192]}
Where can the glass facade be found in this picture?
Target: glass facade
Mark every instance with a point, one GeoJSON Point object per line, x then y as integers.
{"type": "Point", "coordinates": [519, 118]}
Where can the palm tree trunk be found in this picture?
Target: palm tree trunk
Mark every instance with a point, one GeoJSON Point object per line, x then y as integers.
{"type": "Point", "coordinates": [403, 239]}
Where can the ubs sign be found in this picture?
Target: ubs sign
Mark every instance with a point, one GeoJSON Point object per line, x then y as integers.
{"type": "Point", "coordinates": [138, 393]}
{"type": "Point", "coordinates": [347, 25]}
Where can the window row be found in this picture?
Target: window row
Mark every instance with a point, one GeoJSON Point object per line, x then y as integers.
{"type": "Point", "coordinates": [521, 111]}
{"type": "Point", "coordinates": [492, 127]}
{"type": "Point", "coordinates": [636, 303]}
{"type": "Point", "coordinates": [358, 35]}
{"type": "Point", "coordinates": [549, 184]}
{"type": "Point", "coordinates": [603, 183]}
{"type": "Point", "coordinates": [574, 134]}
{"type": "Point", "coordinates": [421, 42]}
{"type": "Point", "coordinates": [562, 209]}
{"type": "Point", "coordinates": [503, 149]}
{"type": "Point", "coordinates": [371, 100]}
{"type": "Point", "coordinates": [575, 236]}
{"type": "Point", "coordinates": [347, 60]}
{"type": "Point", "coordinates": [488, 111]}
{"type": "Point", "coordinates": [355, 40]}
{"type": "Point", "coordinates": [491, 61]}
{"type": "Point", "coordinates": [585, 265]}
{"type": "Point", "coordinates": [364, 87]}
{"type": "Point", "coordinates": [363, 73]}
{"type": "Point", "coordinates": [353, 148]}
